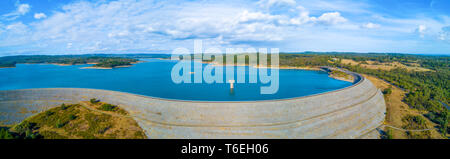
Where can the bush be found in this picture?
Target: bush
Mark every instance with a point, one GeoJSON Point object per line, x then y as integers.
{"type": "Point", "coordinates": [387, 91]}
{"type": "Point", "coordinates": [5, 134]}
{"type": "Point", "coordinates": [72, 117]}
{"type": "Point", "coordinates": [108, 107]}
{"type": "Point", "coordinates": [415, 121]}
{"type": "Point", "coordinates": [389, 133]}
{"type": "Point", "coordinates": [94, 101]}
{"type": "Point", "coordinates": [441, 119]}
{"type": "Point", "coordinates": [25, 130]}
{"type": "Point", "coordinates": [24, 126]}
{"type": "Point", "coordinates": [59, 124]}
{"type": "Point", "coordinates": [48, 113]}
{"type": "Point", "coordinates": [63, 106]}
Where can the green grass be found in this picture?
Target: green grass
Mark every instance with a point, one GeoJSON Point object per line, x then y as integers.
{"type": "Point", "coordinates": [57, 117]}
{"type": "Point", "coordinates": [108, 107]}
{"type": "Point", "coordinates": [112, 108]}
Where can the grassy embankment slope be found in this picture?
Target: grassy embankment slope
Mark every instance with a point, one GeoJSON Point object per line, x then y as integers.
{"type": "Point", "coordinates": [86, 120]}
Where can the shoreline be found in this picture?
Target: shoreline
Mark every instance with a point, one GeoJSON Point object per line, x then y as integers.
{"type": "Point", "coordinates": [106, 68]}
{"type": "Point", "coordinates": [257, 66]}
{"type": "Point", "coordinates": [279, 67]}
{"type": "Point", "coordinates": [99, 68]}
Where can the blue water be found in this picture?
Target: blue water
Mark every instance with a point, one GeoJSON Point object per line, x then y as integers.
{"type": "Point", "coordinates": [153, 78]}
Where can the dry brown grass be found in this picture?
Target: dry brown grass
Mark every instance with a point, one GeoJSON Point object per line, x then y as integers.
{"type": "Point", "coordinates": [385, 66]}
{"type": "Point", "coordinates": [397, 109]}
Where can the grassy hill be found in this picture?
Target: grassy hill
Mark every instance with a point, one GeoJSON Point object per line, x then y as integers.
{"type": "Point", "coordinates": [87, 120]}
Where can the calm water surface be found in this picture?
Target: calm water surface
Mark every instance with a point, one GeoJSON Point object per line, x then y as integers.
{"type": "Point", "coordinates": [153, 78]}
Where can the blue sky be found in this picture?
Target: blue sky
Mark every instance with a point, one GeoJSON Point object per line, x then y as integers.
{"type": "Point", "coordinates": [146, 26]}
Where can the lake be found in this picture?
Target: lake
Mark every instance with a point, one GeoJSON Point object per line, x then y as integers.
{"type": "Point", "coordinates": [153, 78]}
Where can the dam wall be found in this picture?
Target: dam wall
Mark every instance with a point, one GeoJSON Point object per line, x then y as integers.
{"type": "Point", "coordinates": [352, 112]}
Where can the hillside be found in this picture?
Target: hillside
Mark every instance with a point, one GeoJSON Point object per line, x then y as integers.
{"type": "Point", "coordinates": [87, 120]}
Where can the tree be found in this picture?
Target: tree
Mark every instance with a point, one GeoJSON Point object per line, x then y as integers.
{"type": "Point", "coordinates": [5, 134]}
{"type": "Point", "coordinates": [63, 106]}
{"type": "Point", "coordinates": [94, 101]}
{"type": "Point", "coordinates": [387, 91]}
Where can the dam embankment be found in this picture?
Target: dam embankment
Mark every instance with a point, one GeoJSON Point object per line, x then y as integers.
{"type": "Point", "coordinates": [352, 112]}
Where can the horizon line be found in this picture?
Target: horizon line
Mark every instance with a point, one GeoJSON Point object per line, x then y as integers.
{"type": "Point", "coordinates": [304, 52]}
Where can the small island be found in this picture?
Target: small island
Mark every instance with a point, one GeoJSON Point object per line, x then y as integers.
{"type": "Point", "coordinates": [113, 63]}
{"type": "Point", "coordinates": [87, 120]}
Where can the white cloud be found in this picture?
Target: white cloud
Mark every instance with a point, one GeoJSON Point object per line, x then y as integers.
{"type": "Point", "coordinates": [150, 25]}
{"type": "Point", "coordinates": [21, 10]}
{"type": "Point", "coordinates": [17, 27]}
{"type": "Point", "coordinates": [442, 37]}
{"type": "Point", "coordinates": [39, 16]}
{"type": "Point", "coordinates": [348, 6]}
{"type": "Point", "coordinates": [146, 25]}
{"type": "Point", "coordinates": [445, 33]}
{"type": "Point", "coordinates": [247, 16]}
{"type": "Point", "coordinates": [371, 25]}
{"type": "Point", "coordinates": [331, 18]}
{"type": "Point", "coordinates": [421, 29]}
{"type": "Point", "coordinates": [269, 3]}
{"type": "Point", "coordinates": [14, 34]}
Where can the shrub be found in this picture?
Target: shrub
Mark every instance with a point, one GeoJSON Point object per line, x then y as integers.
{"type": "Point", "coordinates": [63, 106]}
{"type": "Point", "coordinates": [48, 113]}
{"type": "Point", "coordinates": [5, 134]}
{"type": "Point", "coordinates": [94, 101]}
{"type": "Point", "coordinates": [387, 91]}
{"type": "Point", "coordinates": [72, 117]}
{"type": "Point", "coordinates": [59, 124]}
{"type": "Point", "coordinates": [108, 107]}
{"type": "Point", "coordinates": [24, 126]}
{"type": "Point", "coordinates": [441, 119]}
{"type": "Point", "coordinates": [32, 135]}
{"type": "Point", "coordinates": [389, 134]}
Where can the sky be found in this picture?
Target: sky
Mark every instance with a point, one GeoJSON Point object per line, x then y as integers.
{"type": "Point", "coordinates": [30, 27]}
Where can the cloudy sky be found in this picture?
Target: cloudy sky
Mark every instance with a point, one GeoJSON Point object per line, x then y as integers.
{"type": "Point", "coordinates": [146, 26]}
